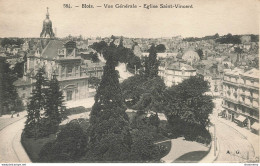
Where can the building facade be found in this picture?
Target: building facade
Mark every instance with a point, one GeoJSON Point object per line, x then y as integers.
{"type": "Point", "coordinates": [175, 73]}
{"type": "Point", "coordinates": [59, 59]}
{"type": "Point", "coordinates": [241, 97]}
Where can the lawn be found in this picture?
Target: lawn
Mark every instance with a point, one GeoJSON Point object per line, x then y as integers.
{"type": "Point", "coordinates": [33, 147]}
{"type": "Point", "coordinates": [191, 157]}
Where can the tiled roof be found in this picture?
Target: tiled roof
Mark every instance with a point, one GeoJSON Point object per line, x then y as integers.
{"type": "Point", "coordinates": [236, 72]}
{"type": "Point", "coordinates": [51, 50]}
{"type": "Point", "coordinates": [178, 66]}
{"type": "Point", "coordinates": [253, 73]}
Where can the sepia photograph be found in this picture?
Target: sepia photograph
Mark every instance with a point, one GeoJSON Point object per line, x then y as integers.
{"type": "Point", "coordinates": [129, 81]}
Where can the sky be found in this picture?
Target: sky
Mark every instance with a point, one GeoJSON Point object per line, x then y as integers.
{"type": "Point", "coordinates": [23, 18]}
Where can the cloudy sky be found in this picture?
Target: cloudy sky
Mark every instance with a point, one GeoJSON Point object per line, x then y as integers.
{"type": "Point", "coordinates": [23, 18]}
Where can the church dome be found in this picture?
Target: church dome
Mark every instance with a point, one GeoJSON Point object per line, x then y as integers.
{"type": "Point", "coordinates": [47, 31]}
{"type": "Point", "coordinates": [47, 21]}
{"type": "Point", "coordinates": [191, 55]}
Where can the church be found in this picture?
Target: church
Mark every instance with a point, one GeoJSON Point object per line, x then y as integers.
{"type": "Point", "coordinates": [59, 59]}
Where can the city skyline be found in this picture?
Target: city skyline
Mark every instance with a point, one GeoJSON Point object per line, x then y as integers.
{"type": "Point", "coordinates": [223, 17]}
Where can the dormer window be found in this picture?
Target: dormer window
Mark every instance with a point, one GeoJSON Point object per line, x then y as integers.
{"type": "Point", "coordinates": [61, 51]}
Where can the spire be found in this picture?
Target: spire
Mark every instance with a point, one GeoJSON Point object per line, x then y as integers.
{"type": "Point", "coordinates": [47, 14]}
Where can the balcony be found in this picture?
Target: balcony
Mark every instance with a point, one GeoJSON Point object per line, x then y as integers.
{"type": "Point", "coordinates": [235, 101]}
{"type": "Point", "coordinates": [230, 83]}
{"type": "Point", "coordinates": [249, 105]}
{"type": "Point", "coordinates": [249, 86]}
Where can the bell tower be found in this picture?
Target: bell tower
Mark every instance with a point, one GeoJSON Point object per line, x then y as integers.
{"type": "Point", "coordinates": [47, 31]}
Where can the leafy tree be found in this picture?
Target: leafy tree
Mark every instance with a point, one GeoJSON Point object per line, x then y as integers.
{"type": "Point", "coordinates": [131, 88]}
{"type": "Point", "coordinates": [9, 42]}
{"type": "Point", "coordinates": [94, 57]}
{"type": "Point", "coordinates": [69, 145]}
{"type": "Point", "coordinates": [151, 63]}
{"type": "Point", "coordinates": [134, 63]}
{"type": "Point", "coordinates": [11, 100]}
{"type": "Point", "coordinates": [187, 105]}
{"type": "Point", "coordinates": [216, 36]}
{"type": "Point", "coordinates": [229, 39]}
{"type": "Point", "coordinates": [122, 52]}
{"type": "Point", "coordinates": [109, 126]}
{"type": "Point", "coordinates": [99, 46]}
{"type": "Point", "coordinates": [160, 48]}
{"type": "Point", "coordinates": [143, 148]}
{"type": "Point", "coordinates": [200, 53]}
{"type": "Point", "coordinates": [94, 82]}
{"type": "Point", "coordinates": [254, 38]}
{"type": "Point", "coordinates": [154, 120]}
{"type": "Point", "coordinates": [151, 95]}
{"type": "Point", "coordinates": [36, 104]}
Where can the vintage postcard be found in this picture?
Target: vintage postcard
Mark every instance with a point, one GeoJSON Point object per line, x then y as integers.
{"type": "Point", "coordinates": [129, 81]}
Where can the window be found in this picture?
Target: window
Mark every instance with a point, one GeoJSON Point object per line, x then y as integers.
{"type": "Point", "coordinates": [243, 109]}
{"type": "Point", "coordinates": [23, 95]}
{"type": "Point", "coordinates": [243, 98]}
{"type": "Point", "coordinates": [69, 95]}
{"type": "Point", "coordinates": [183, 72]}
{"type": "Point", "coordinates": [69, 70]}
{"type": "Point", "coordinates": [23, 88]}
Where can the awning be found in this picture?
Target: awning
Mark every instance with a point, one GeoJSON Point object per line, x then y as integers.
{"type": "Point", "coordinates": [240, 118]}
{"type": "Point", "coordinates": [255, 126]}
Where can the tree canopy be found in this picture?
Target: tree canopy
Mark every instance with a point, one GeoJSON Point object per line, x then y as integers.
{"type": "Point", "coordinates": [109, 126]}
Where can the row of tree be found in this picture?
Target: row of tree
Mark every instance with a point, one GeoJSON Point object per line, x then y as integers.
{"type": "Point", "coordinates": [10, 42]}
{"type": "Point", "coordinates": [123, 54]}
{"type": "Point", "coordinates": [185, 105]}
{"type": "Point", "coordinates": [45, 107]}
{"type": "Point", "coordinates": [111, 136]}
{"type": "Point", "coordinates": [12, 101]}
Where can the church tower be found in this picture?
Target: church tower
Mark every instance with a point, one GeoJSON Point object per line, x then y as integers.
{"type": "Point", "coordinates": [47, 31]}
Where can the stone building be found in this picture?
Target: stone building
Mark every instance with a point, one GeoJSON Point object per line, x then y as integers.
{"type": "Point", "coordinates": [241, 97]}
{"type": "Point", "coordinates": [58, 59]}
{"type": "Point", "coordinates": [174, 73]}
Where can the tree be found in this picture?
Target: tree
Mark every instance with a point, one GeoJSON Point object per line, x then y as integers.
{"type": "Point", "coordinates": [216, 36]}
{"type": "Point", "coordinates": [134, 63]}
{"type": "Point", "coordinates": [53, 102]}
{"type": "Point", "coordinates": [11, 99]}
{"type": "Point", "coordinates": [109, 126]}
{"type": "Point", "coordinates": [99, 46]}
{"type": "Point", "coordinates": [36, 104]}
{"type": "Point", "coordinates": [200, 53]}
{"type": "Point", "coordinates": [151, 63]}
{"type": "Point", "coordinates": [151, 95]}
{"type": "Point", "coordinates": [187, 109]}
{"type": "Point", "coordinates": [94, 82]}
{"type": "Point", "coordinates": [69, 145]}
{"type": "Point", "coordinates": [187, 105]}
{"type": "Point", "coordinates": [160, 48]}
{"type": "Point", "coordinates": [131, 88]}
{"type": "Point", "coordinates": [143, 147]}
{"type": "Point", "coordinates": [94, 57]}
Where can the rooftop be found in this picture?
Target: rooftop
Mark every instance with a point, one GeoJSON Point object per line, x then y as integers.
{"type": "Point", "coordinates": [253, 73]}
{"type": "Point", "coordinates": [51, 50]}
{"type": "Point", "coordinates": [179, 66]}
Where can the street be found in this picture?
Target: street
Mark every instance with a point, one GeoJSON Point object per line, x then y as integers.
{"type": "Point", "coordinates": [233, 146]}
{"type": "Point", "coordinates": [12, 150]}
